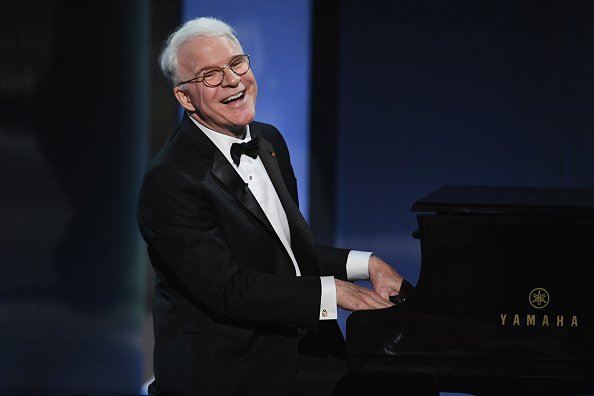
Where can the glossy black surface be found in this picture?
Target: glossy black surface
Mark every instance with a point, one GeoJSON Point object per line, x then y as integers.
{"type": "Point", "coordinates": [504, 299]}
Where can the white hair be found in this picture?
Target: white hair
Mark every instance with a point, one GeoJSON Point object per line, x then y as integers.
{"type": "Point", "coordinates": [198, 27]}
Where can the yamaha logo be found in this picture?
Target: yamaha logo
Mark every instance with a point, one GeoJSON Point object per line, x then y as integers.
{"type": "Point", "coordinates": [538, 298]}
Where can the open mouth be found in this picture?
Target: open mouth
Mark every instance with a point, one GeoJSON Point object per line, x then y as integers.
{"type": "Point", "coordinates": [234, 98]}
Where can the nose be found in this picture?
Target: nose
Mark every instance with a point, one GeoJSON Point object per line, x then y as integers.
{"type": "Point", "coordinates": [230, 78]}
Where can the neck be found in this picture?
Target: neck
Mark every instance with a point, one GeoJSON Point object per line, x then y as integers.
{"type": "Point", "coordinates": [238, 132]}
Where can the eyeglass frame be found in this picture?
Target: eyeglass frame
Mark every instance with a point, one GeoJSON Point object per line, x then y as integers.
{"type": "Point", "coordinates": [200, 78]}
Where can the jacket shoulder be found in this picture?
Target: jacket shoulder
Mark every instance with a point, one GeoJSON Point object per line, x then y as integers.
{"type": "Point", "coordinates": [270, 133]}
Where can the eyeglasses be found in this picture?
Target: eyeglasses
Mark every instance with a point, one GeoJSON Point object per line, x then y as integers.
{"type": "Point", "coordinates": [213, 77]}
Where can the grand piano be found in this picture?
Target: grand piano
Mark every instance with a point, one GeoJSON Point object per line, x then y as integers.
{"type": "Point", "coordinates": [504, 303]}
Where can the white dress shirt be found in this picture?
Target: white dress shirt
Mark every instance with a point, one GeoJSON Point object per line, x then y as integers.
{"type": "Point", "coordinates": [254, 174]}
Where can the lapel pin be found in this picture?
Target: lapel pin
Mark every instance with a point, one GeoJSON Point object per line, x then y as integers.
{"type": "Point", "coordinates": [273, 154]}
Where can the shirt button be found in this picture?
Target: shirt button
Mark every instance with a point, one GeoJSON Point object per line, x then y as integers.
{"type": "Point", "coordinates": [249, 177]}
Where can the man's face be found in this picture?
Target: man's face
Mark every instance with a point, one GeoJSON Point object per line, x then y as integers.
{"type": "Point", "coordinates": [226, 108]}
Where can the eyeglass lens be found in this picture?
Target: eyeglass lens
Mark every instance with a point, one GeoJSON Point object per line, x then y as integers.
{"type": "Point", "coordinates": [239, 65]}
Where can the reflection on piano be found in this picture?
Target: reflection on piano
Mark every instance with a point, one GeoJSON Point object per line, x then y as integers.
{"type": "Point", "coordinates": [504, 303]}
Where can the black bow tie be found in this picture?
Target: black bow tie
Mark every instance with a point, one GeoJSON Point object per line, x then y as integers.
{"type": "Point", "coordinates": [248, 148]}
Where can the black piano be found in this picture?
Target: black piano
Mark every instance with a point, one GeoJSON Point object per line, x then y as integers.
{"type": "Point", "coordinates": [504, 303]}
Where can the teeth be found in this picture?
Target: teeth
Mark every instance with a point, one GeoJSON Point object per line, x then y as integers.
{"type": "Point", "coordinates": [230, 98]}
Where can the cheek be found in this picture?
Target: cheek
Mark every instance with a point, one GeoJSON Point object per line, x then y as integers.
{"type": "Point", "coordinates": [253, 92]}
{"type": "Point", "coordinates": [206, 102]}
{"type": "Point", "coordinates": [253, 84]}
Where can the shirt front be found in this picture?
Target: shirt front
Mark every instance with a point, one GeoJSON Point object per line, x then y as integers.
{"type": "Point", "coordinates": [253, 173]}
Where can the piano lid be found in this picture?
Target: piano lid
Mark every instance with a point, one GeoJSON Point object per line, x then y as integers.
{"type": "Point", "coordinates": [513, 200]}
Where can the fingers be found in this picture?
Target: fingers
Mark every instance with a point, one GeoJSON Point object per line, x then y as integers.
{"type": "Point", "coordinates": [369, 299]}
{"type": "Point", "coordinates": [384, 286]}
{"type": "Point", "coordinates": [353, 297]}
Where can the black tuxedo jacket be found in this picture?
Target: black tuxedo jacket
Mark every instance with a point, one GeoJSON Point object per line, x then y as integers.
{"type": "Point", "coordinates": [228, 310]}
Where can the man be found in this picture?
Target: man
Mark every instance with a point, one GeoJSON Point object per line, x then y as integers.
{"type": "Point", "coordinates": [245, 302]}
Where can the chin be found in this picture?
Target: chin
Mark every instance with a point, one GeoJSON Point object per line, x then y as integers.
{"type": "Point", "coordinates": [246, 119]}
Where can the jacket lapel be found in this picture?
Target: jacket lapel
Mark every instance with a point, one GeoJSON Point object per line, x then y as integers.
{"type": "Point", "coordinates": [268, 157]}
{"type": "Point", "coordinates": [302, 241]}
{"type": "Point", "coordinates": [224, 171]}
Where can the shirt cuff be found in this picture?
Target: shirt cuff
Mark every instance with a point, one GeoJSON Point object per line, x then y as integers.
{"type": "Point", "coordinates": [328, 308]}
{"type": "Point", "coordinates": [357, 265]}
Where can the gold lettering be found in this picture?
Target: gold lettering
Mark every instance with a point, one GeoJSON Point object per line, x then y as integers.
{"type": "Point", "coordinates": [530, 320]}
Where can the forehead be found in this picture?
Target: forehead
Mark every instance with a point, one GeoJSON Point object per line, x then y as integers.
{"type": "Point", "coordinates": [201, 52]}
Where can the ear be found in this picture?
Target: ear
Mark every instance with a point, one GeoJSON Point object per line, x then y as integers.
{"type": "Point", "coordinates": [183, 98]}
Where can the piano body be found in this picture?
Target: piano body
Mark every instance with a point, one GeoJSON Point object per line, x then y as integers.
{"type": "Point", "coordinates": [504, 303]}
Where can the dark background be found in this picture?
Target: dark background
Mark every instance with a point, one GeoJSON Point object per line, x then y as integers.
{"type": "Point", "coordinates": [406, 96]}
{"type": "Point", "coordinates": [428, 93]}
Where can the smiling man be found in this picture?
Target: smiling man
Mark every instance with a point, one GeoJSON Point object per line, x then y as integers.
{"type": "Point", "coordinates": [245, 302]}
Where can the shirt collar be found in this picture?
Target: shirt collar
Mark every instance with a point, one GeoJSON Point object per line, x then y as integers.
{"type": "Point", "coordinates": [223, 142]}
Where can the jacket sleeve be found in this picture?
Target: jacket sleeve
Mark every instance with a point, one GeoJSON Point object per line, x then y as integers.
{"type": "Point", "coordinates": [193, 252]}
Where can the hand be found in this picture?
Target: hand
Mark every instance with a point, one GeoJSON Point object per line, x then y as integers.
{"type": "Point", "coordinates": [353, 297]}
{"type": "Point", "coordinates": [385, 280]}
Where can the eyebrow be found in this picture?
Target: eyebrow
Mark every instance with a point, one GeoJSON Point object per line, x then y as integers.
{"type": "Point", "coordinates": [215, 67]}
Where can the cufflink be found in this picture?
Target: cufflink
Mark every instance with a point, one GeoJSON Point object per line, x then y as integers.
{"type": "Point", "coordinates": [324, 313]}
